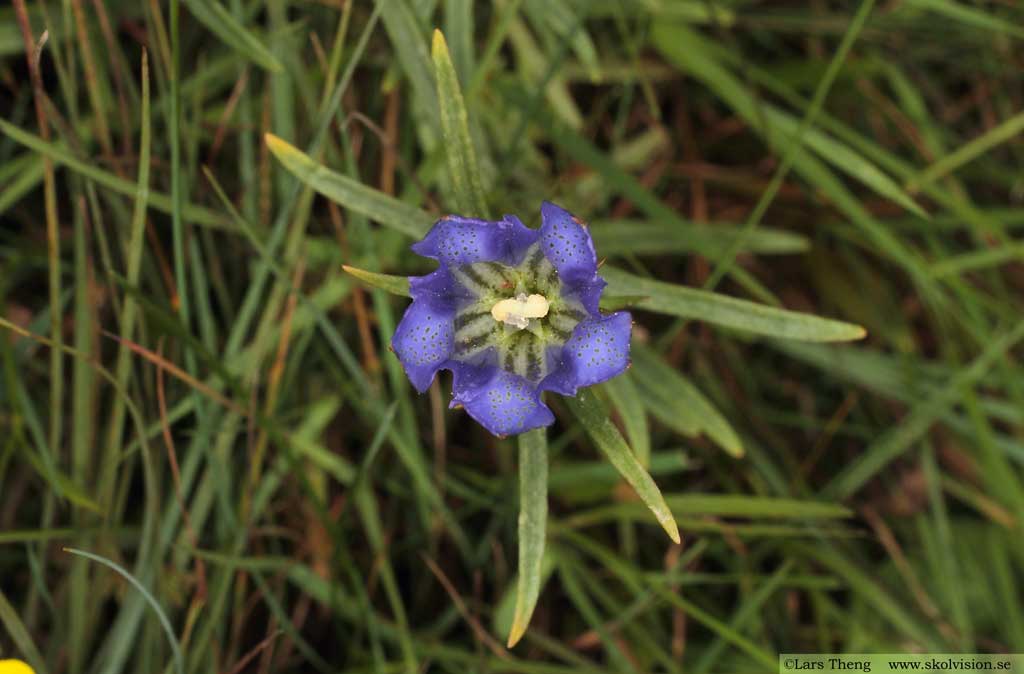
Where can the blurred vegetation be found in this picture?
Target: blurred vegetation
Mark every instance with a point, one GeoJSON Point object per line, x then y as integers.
{"type": "Point", "coordinates": [196, 396]}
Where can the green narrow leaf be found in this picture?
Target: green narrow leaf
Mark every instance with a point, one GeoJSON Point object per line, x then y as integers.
{"type": "Point", "coordinates": [623, 394]}
{"type": "Point", "coordinates": [150, 599]}
{"type": "Point", "coordinates": [675, 300]}
{"type": "Point", "coordinates": [536, 67]}
{"type": "Point", "coordinates": [20, 182]}
{"type": "Point", "coordinates": [970, 151]}
{"type": "Point", "coordinates": [396, 285]}
{"type": "Point", "coordinates": [504, 612]}
{"type": "Point", "coordinates": [969, 16]}
{"type": "Point", "coordinates": [350, 193]}
{"type": "Point", "coordinates": [616, 302]}
{"type": "Point", "coordinates": [754, 507]}
{"type": "Point", "coordinates": [533, 515]}
{"type": "Point", "coordinates": [458, 26]}
{"type": "Point", "coordinates": [65, 486]}
{"type": "Point", "coordinates": [1004, 585]}
{"type": "Point", "coordinates": [129, 311]}
{"type": "Point", "coordinates": [608, 439]}
{"type": "Point", "coordinates": [406, 37]}
{"type": "Point", "coordinates": [19, 635]}
{"type": "Point", "coordinates": [558, 16]}
{"type": "Point", "coordinates": [680, 404]}
{"type": "Point", "coordinates": [221, 23]}
{"type": "Point", "coordinates": [462, 166]}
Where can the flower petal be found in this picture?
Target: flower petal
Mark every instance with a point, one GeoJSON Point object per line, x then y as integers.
{"type": "Point", "coordinates": [587, 293]}
{"type": "Point", "coordinates": [469, 379]}
{"type": "Point", "coordinates": [520, 238]}
{"type": "Point", "coordinates": [598, 350]}
{"type": "Point", "coordinates": [567, 244]}
{"type": "Point", "coordinates": [455, 240]}
{"type": "Point", "coordinates": [438, 288]}
{"type": "Point", "coordinates": [423, 341]}
{"type": "Point", "coordinates": [501, 402]}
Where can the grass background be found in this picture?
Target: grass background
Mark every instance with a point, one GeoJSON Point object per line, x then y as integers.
{"type": "Point", "coordinates": [195, 394]}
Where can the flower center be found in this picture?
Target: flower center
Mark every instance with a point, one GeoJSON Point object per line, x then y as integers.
{"type": "Point", "coordinates": [515, 316]}
{"type": "Point", "coordinates": [517, 311]}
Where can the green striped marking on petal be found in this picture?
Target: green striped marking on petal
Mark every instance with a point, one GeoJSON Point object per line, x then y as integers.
{"type": "Point", "coordinates": [471, 279]}
{"type": "Point", "coordinates": [523, 352]}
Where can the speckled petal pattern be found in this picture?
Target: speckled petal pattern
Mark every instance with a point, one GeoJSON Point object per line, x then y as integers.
{"type": "Point", "coordinates": [454, 240]}
{"type": "Point", "coordinates": [588, 293]}
{"type": "Point", "coordinates": [567, 243]}
{"type": "Point", "coordinates": [438, 288]}
{"type": "Point", "coordinates": [506, 404]}
{"type": "Point", "coordinates": [520, 238]}
{"type": "Point", "coordinates": [597, 351]}
{"type": "Point", "coordinates": [423, 341]}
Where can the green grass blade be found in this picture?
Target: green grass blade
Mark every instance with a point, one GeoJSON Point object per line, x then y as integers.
{"type": "Point", "coordinates": [686, 48]}
{"type": "Point", "coordinates": [969, 16]}
{"type": "Point", "coordinates": [350, 193]}
{"type": "Point", "coordinates": [901, 438]}
{"type": "Point", "coordinates": [221, 23]}
{"type": "Point", "coordinates": [413, 57]}
{"type": "Point", "coordinates": [676, 300]}
{"type": "Point", "coordinates": [19, 636]}
{"type": "Point", "coordinates": [884, 603]}
{"type": "Point", "coordinates": [195, 214]}
{"type": "Point", "coordinates": [994, 137]}
{"type": "Point", "coordinates": [558, 16]}
{"type": "Point", "coordinates": [129, 310]}
{"type": "Point", "coordinates": [458, 26]}
{"type": "Point", "coordinates": [179, 662]}
{"type": "Point", "coordinates": [21, 182]}
{"type": "Point", "coordinates": [62, 484]}
{"type": "Point", "coordinates": [462, 167]}
{"type": "Point", "coordinates": [602, 431]}
{"type": "Point", "coordinates": [749, 611]}
{"type": "Point", "coordinates": [533, 515]}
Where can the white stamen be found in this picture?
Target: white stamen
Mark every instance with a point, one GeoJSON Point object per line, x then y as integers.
{"type": "Point", "coordinates": [517, 311]}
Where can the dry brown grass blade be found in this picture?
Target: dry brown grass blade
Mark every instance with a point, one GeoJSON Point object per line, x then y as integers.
{"type": "Point", "coordinates": [481, 633]}
{"type": "Point", "coordinates": [178, 373]}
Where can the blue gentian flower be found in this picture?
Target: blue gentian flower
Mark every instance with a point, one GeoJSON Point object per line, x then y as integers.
{"type": "Point", "coordinates": [512, 312]}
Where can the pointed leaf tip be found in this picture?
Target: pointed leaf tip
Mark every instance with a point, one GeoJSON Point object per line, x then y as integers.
{"type": "Point", "coordinates": [533, 512]}
{"type": "Point", "coordinates": [396, 285]}
{"type": "Point", "coordinates": [611, 443]}
{"type": "Point", "coordinates": [518, 630]}
{"type": "Point", "coordinates": [673, 531]}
